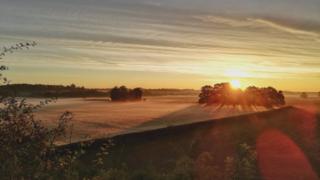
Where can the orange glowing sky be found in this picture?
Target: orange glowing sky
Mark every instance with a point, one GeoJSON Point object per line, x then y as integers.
{"type": "Point", "coordinates": [167, 44]}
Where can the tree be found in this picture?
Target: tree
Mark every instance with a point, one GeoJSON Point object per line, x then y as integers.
{"type": "Point", "coordinates": [280, 99]}
{"type": "Point", "coordinates": [206, 92]}
{"type": "Point", "coordinates": [115, 94]}
{"type": "Point", "coordinates": [124, 94]}
{"type": "Point", "coordinates": [271, 97]}
{"type": "Point", "coordinates": [304, 95]}
{"type": "Point", "coordinates": [223, 94]}
{"type": "Point", "coordinates": [136, 93]}
{"type": "Point", "coordinates": [73, 86]}
{"type": "Point", "coordinates": [252, 96]}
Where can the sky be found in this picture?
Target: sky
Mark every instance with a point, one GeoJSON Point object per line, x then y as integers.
{"type": "Point", "coordinates": [164, 43]}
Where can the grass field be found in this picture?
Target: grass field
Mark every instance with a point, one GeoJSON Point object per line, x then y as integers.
{"type": "Point", "coordinates": [96, 117]}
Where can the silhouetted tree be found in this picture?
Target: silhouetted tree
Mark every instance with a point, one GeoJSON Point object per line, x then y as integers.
{"type": "Point", "coordinates": [252, 96]}
{"type": "Point", "coordinates": [281, 99]}
{"type": "Point", "coordinates": [205, 94]}
{"type": "Point", "coordinates": [304, 95]}
{"type": "Point", "coordinates": [40, 90]}
{"type": "Point", "coordinates": [73, 86]}
{"type": "Point", "coordinates": [223, 94]}
{"type": "Point", "coordinates": [115, 94]}
{"type": "Point", "coordinates": [136, 93]}
{"type": "Point", "coordinates": [125, 94]}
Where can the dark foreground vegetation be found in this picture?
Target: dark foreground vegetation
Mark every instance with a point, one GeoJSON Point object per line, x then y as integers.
{"type": "Point", "coordinates": [219, 149]}
{"type": "Point", "coordinates": [223, 94]}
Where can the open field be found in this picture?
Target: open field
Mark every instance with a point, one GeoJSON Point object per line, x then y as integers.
{"type": "Point", "coordinates": [96, 117]}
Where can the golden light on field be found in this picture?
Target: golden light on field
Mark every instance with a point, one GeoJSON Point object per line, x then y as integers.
{"type": "Point", "coordinates": [236, 84]}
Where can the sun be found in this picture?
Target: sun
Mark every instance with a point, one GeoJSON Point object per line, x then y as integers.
{"type": "Point", "coordinates": [235, 84]}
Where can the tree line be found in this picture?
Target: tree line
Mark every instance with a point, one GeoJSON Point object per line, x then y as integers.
{"type": "Point", "coordinates": [223, 94]}
{"type": "Point", "coordinates": [41, 90]}
{"type": "Point", "coordinates": [305, 95]}
{"type": "Point", "coordinates": [122, 93]}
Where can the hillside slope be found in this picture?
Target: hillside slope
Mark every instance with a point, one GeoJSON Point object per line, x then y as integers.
{"type": "Point", "coordinates": [162, 147]}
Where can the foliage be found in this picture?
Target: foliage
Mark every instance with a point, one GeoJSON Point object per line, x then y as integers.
{"type": "Point", "coordinates": [243, 166]}
{"type": "Point", "coordinates": [206, 168]}
{"type": "Point", "coordinates": [167, 92]}
{"type": "Point", "coordinates": [223, 94]}
{"type": "Point", "coordinates": [124, 94]}
{"type": "Point", "coordinates": [28, 148]}
{"type": "Point", "coordinates": [26, 145]}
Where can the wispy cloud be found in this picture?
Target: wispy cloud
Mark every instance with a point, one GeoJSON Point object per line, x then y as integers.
{"type": "Point", "coordinates": [257, 23]}
{"type": "Point", "coordinates": [284, 28]}
{"type": "Point", "coordinates": [148, 37]}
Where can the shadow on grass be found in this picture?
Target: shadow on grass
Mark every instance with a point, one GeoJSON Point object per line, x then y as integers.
{"type": "Point", "coordinates": [162, 147]}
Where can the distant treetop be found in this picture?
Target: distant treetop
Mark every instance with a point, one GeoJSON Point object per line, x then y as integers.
{"type": "Point", "coordinates": [41, 90]}
{"type": "Point", "coordinates": [223, 94]}
{"type": "Point", "coordinates": [122, 93]}
{"type": "Point", "coordinates": [304, 95]}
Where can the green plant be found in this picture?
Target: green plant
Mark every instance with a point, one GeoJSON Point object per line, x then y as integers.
{"type": "Point", "coordinates": [243, 165]}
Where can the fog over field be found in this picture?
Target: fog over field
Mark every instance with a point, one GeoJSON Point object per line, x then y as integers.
{"type": "Point", "coordinates": [97, 117]}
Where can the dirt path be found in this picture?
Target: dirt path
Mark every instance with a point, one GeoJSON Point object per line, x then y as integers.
{"type": "Point", "coordinates": [279, 158]}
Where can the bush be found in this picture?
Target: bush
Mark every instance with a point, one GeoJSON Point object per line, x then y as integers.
{"type": "Point", "coordinates": [26, 145]}
{"type": "Point", "coordinates": [243, 165]}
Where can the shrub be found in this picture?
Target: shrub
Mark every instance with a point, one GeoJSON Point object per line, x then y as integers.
{"type": "Point", "coordinates": [243, 165]}
{"type": "Point", "coordinates": [27, 147]}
